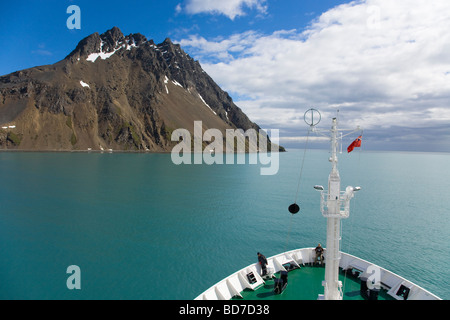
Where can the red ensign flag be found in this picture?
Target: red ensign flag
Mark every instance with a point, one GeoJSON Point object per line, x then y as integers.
{"type": "Point", "coordinates": [354, 144]}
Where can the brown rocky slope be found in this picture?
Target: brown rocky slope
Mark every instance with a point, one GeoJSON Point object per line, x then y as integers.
{"type": "Point", "coordinates": [113, 92]}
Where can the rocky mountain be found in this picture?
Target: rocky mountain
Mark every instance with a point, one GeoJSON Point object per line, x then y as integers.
{"type": "Point", "coordinates": [113, 92]}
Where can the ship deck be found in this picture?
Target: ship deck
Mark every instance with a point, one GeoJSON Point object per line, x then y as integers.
{"type": "Point", "coordinates": [305, 280]}
{"type": "Point", "coordinates": [306, 284]}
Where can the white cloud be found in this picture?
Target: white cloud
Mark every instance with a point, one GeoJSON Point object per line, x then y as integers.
{"type": "Point", "coordinates": [229, 8]}
{"type": "Point", "coordinates": [178, 8]}
{"type": "Point", "coordinates": [383, 63]}
{"type": "Point", "coordinates": [221, 49]}
{"type": "Point", "coordinates": [42, 50]}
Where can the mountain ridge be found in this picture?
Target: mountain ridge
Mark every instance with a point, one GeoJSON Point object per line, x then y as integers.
{"type": "Point", "coordinates": [113, 92]}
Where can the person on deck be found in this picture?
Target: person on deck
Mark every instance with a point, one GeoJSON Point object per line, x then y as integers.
{"type": "Point", "coordinates": [319, 253]}
{"type": "Point", "coordinates": [263, 262]}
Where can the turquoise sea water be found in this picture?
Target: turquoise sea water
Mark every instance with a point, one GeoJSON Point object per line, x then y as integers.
{"type": "Point", "coordinates": [140, 227]}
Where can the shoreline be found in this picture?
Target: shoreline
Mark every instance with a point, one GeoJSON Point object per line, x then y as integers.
{"type": "Point", "coordinates": [113, 151]}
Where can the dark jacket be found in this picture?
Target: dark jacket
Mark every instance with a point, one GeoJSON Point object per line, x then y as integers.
{"type": "Point", "coordinates": [262, 260]}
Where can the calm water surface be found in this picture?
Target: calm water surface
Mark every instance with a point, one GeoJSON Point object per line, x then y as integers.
{"type": "Point", "coordinates": [140, 227]}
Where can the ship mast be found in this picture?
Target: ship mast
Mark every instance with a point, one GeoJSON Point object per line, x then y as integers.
{"type": "Point", "coordinates": [335, 205]}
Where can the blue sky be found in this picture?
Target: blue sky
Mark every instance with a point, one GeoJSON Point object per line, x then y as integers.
{"type": "Point", "coordinates": [385, 65]}
{"type": "Point", "coordinates": [35, 33]}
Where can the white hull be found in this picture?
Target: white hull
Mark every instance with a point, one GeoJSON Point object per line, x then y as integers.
{"type": "Point", "coordinates": [237, 282]}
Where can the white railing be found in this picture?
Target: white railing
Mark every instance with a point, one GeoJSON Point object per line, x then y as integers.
{"type": "Point", "coordinates": [327, 205]}
{"type": "Point", "coordinates": [237, 282]}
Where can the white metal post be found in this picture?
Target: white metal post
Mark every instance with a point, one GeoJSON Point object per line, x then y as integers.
{"type": "Point", "coordinates": [332, 257]}
{"type": "Point", "coordinates": [335, 205]}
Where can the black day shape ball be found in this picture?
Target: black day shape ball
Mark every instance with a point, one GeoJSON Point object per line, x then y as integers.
{"type": "Point", "coordinates": [294, 208]}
